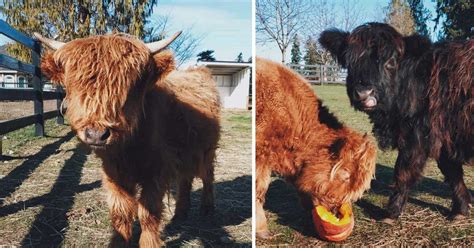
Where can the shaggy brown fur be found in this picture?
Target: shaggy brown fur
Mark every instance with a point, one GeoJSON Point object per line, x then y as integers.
{"type": "Point", "coordinates": [299, 139]}
{"type": "Point", "coordinates": [163, 125]}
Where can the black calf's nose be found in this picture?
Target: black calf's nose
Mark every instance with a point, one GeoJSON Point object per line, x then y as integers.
{"type": "Point", "coordinates": [363, 94]}
{"type": "Point", "coordinates": [96, 136]}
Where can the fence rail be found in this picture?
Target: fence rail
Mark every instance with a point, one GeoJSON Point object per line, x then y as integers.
{"type": "Point", "coordinates": [321, 74]}
{"type": "Point", "coordinates": [36, 94]}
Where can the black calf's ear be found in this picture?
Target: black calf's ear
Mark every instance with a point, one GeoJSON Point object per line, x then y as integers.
{"type": "Point", "coordinates": [416, 45]}
{"type": "Point", "coordinates": [335, 41]}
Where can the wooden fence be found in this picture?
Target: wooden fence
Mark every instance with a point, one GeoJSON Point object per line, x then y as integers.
{"type": "Point", "coordinates": [321, 74]}
{"type": "Point", "coordinates": [35, 94]}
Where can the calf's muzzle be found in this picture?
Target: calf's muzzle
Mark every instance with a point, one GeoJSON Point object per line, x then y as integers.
{"type": "Point", "coordinates": [96, 136]}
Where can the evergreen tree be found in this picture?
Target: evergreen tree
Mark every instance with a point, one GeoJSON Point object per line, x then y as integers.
{"type": "Point", "coordinates": [421, 16]}
{"type": "Point", "coordinates": [311, 56]}
{"type": "Point", "coordinates": [207, 55]}
{"type": "Point", "coordinates": [240, 58]}
{"type": "Point", "coordinates": [295, 51]}
{"type": "Point", "coordinates": [400, 17]}
{"type": "Point", "coordinates": [67, 20]}
{"type": "Point", "coordinates": [458, 18]}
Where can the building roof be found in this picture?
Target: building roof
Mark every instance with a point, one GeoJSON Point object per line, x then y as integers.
{"type": "Point", "coordinates": [225, 67]}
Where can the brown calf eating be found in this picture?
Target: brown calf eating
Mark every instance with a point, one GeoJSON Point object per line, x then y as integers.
{"type": "Point", "coordinates": [297, 138]}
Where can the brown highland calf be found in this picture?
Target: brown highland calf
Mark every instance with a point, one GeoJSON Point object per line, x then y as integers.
{"type": "Point", "coordinates": [149, 124]}
{"type": "Point", "coordinates": [297, 138]}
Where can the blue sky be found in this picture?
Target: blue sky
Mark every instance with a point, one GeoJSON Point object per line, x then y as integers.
{"type": "Point", "coordinates": [225, 25]}
{"type": "Point", "coordinates": [372, 10]}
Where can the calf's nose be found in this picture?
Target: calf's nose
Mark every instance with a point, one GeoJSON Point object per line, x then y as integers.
{"type": "Point", "coordinates": [95, 136]}
{"type": "Point", "coordinates": [363, 94]}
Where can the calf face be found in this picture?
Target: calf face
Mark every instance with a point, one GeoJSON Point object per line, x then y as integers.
{"type": "Point", "coordinates": [340, 175]}
{"type": "Point", "coordinates": [105, 78]}
{"type": "Point", "coordinates": [371, 53]}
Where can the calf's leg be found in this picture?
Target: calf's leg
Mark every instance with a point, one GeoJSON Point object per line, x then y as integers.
{"type": "Point", "coordinates": [122, 208]}
{"type": "Point", "coordinates": [184, 200]}
{"type": "Point", "coordinates": [408, 170]}
{"type": "Point", "coordinates": [262, 176]}
{"type": "Point", "coordinates": [150, 207]}
{"type": "Point", "coordinates": [207, 176]}
{"type": "Point", "coordinates": [453, 173]}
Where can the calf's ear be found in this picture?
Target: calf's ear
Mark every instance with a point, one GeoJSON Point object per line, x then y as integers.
{"type": "Point", "coordinates": [164, 62]}
{"type": "Point", "coordinates": [52, 69]}
{"type": "Point", "coordinates": [335, 41]}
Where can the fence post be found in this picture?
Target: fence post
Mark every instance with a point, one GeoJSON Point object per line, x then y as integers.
{"type": "Point", "coordinates": [322, 73]}
{"type": "Point", "coordinates": [37, 86]}
{"type": "Point", "coordinates": [1, 148]}
{"type": "Point", "coordinates": [59, 101]}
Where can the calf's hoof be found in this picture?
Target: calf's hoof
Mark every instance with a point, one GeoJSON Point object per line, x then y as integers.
{"type": "Point", "coordinates": [264, 235]}
{"type": "Point", "coordinates": [388, 221]}
{"type": "Point", "coordinates": [456, 217]}
{"type": "Point", "coordinates": [180, 216]}
{"type": "Point", "coordinates": [118, 241]}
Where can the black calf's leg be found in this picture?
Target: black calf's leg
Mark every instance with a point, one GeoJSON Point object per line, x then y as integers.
{"type": "Point", "coordinates": [305, 200]}
{"type": "Point", "coordinates": [408, 170]}
{"type": "Point", "coordinates": [453, 173]}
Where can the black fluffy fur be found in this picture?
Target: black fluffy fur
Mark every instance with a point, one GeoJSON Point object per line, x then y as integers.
{"type": "Point", "coordinates": [425, 101]}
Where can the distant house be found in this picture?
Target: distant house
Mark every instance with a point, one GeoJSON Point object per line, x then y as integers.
{"type": "Point", "coordinates": [233, 82]}
{"type": "Point", "coordinates": [10, 78]}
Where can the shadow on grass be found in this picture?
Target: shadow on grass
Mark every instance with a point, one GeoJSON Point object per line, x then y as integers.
{"type": "Point", "coordinates": [382, 186]}
{"type": "Point", "coordinates": [15, 178]}
{"type": "Point", "coordinates": [233, 206]}
{"type": "Point", "coordinates": [282, 199]}
{"type": "Point", "coordinates": [9, 158]}
{"type": "Point", "coordinates": [51, 223]}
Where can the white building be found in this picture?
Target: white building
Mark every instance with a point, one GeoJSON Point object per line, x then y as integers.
{"type": "Point", "coordinates": [13, 79]}
{"type": "Point", "coordinates": [233, 82]}
{"type": "Point", "coordinates": [10, 78]}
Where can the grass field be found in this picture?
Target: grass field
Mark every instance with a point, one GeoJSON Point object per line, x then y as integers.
{"type": "Point", "coordinates": [423, 222]}
{"type": "Point", "coordinates": [51, 195]}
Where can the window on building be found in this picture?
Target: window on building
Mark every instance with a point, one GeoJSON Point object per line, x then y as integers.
{"type": "Point", "coordinates": [9, 81]}
{"type": "Point", "coordinates": [21, 82]}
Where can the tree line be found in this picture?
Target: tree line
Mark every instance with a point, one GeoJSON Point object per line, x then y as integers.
{"type": "Point", "coordinates": [66, 20]}
{"type": "Point", "coordinates": [286, 22]}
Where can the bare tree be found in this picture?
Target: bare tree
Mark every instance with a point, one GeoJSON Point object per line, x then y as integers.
{"type": "Point", "coordinates": [351, 15]}
{"type": "Point", "coordinates": [325, 16]}
{"type": "Point", "coordinates": [184, 47]}
{"type": "Point", "coordinates": [280, 20]}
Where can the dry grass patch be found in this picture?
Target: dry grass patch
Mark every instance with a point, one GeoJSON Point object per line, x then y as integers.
{"type": "Point", "coordinates": [51, 195]}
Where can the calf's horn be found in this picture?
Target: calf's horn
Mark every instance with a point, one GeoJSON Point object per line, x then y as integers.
{"type": "Point", "coordinates": [53, 44]}
{"type": "Point", "coordinates": [162, 44]}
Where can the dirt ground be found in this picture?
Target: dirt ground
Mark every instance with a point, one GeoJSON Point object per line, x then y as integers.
{"type": "Point", "coordinates": [51, 195]}
{"type": "Point", "coordinates": [13, 110]}
{"type": "Point", "coordinates": [423, 223]}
